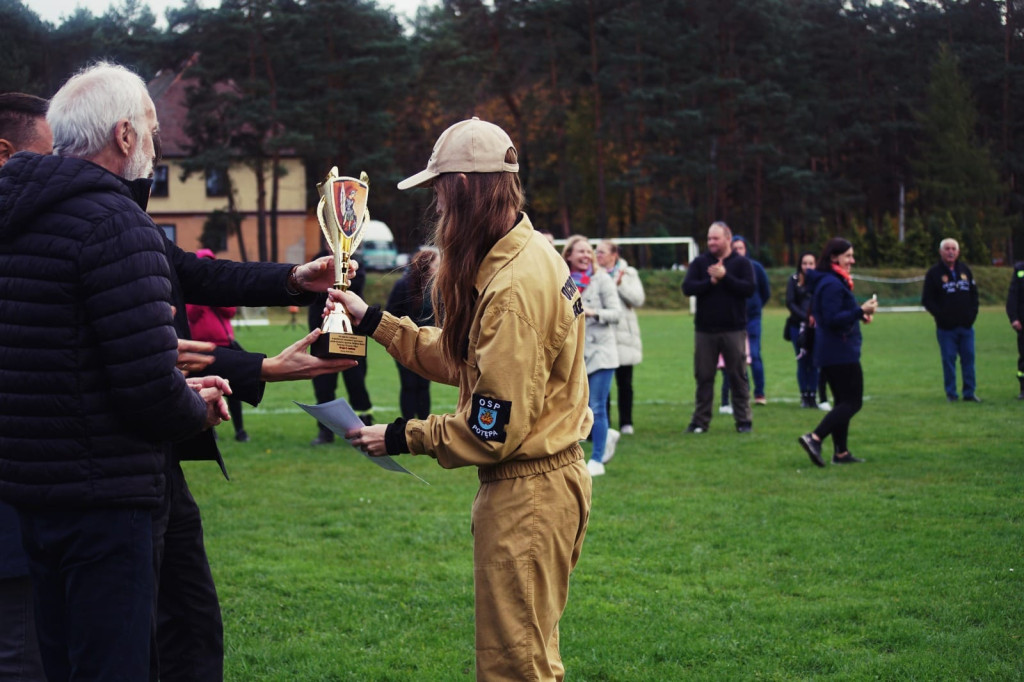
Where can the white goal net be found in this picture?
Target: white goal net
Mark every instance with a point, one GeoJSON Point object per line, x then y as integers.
{"type": "Point", "coordinates": [895, 294]}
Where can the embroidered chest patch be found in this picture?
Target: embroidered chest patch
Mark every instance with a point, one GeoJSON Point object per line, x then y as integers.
{"type": "Point", "coordinates": [489, 417]}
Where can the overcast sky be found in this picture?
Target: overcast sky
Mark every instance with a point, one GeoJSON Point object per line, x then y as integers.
{"type": "Point", "coordinates": [55, 10]}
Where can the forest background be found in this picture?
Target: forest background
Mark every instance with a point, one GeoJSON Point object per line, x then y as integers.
{"type": "Point", "coordinates": [890, 123]}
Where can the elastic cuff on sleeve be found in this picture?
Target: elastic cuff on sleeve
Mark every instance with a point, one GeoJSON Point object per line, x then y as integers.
{"type": "Point", "coordinates": [368, 325]}
{"type": "Point", "coordinates": [394, 438]}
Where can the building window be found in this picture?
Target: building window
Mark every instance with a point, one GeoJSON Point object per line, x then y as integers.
{"type": "Point", "coordinates": [170, 230]}
{"type": "Point", "coordinates": [216, 182]}
{"type": "Point", "coordinates": [160, 184]}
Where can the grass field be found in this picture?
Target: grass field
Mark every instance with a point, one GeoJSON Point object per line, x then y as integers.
{"type": "Point", "coordinates": [709, 557]}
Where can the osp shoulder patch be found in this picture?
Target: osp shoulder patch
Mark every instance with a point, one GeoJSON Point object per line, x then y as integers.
{"type": "Point", "coordinates": [489, 417]}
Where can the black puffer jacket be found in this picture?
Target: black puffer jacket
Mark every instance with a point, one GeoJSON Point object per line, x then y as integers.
{"type": "Point", "coordinates": [89, 395]}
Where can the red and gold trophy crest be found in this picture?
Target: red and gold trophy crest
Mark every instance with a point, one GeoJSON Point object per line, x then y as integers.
{"type": "Point", "coordinates": [342, 214]}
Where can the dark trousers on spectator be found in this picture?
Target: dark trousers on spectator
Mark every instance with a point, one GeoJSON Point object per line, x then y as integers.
{"type": "Point", "coordinates": [414, 394]}
{"type": "Point", "coordinates": [19, 649]}
{"type": "Point", "coordinates": [93, 585]}
{"type": "Point", "coordinates": [624, 386]}
{"type": "Point", "coordinates": [325, 387]}
{"type": "Point", "coordinates": [847, 384]}
{"type": "Point", "coordinates": [732, 347]}
{"type": "Point", "coordinates": [189, 628]}
{"type": "Point", "coordinates": [756, 364]}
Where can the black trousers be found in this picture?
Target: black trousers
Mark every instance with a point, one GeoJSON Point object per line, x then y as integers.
{"type": "Point", "coordinates": [414, 394]}
{"type": "Point", "coordinates": [189, 629]}
{"type": "Point", "coordinates": [847, 384]}
{"type": "Point", "coordinates": [624, 385]}
{"type": "Point", "coordinates": [1020, 356]}
{"type": "Point", "coordinates": [325, 388]}
{"type": "Point", "coordinates": [19, 648]}
{"type": "Point", "coordinates": [92, 582]}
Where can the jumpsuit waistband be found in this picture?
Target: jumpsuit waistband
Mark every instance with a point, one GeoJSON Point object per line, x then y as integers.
{"type": "Point", "coordinates": [520, 468]}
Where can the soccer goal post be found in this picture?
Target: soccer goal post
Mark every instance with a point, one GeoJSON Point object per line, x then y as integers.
{"type": "Point", "coordinates": [685, 251]}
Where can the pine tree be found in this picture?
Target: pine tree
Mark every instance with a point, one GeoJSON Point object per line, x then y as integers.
{"type": "Point", "coordinates": [954, 171]}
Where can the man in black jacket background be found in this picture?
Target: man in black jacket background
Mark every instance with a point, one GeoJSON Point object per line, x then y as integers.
{"type": "Point", "coordinates": [951, 296]}
{"type": "Point", "coordinates": [1015, 311]}
{"type": "Point", "coordinates": [722, 280]}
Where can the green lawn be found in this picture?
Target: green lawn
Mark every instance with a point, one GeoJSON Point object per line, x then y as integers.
{"type": "Point", "coordinates": [709, 557]}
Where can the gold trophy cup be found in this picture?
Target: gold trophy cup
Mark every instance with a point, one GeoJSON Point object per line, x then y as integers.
{"type": "Point", "coordinates": [342, 214]}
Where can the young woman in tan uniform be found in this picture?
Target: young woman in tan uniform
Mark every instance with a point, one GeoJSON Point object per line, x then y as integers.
{"type": "Point", "coordinates": [512, 341]}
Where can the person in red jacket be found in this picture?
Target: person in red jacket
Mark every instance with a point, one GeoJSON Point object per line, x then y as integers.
{"type": "Point", "coordinates": [213, 324]}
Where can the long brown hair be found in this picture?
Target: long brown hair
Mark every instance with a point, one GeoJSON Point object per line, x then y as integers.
{"type": "Point", "coordinates": [474, 211]}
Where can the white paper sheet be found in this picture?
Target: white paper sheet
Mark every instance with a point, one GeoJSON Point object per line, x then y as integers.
{"type": "Point", "coordinates": [340, 418]}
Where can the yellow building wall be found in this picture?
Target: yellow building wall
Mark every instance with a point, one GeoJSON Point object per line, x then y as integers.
{"type": "Point", "coordinates": [186, 208]}
{"type": "Point", "coordinates": [189, 196]}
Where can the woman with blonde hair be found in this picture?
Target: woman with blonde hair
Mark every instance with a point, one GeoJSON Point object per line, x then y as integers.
{"type": "Point", "coordinates": [627, 331]}
{"type": "Point", "coordinates": [511, 338]}
{"type": "Point", "coordinates": [602, 308]}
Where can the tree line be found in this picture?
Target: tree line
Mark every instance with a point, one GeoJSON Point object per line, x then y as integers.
{"type": "Point", "coordinates": [891, 123]}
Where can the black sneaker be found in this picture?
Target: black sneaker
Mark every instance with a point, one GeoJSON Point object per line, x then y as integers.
{"type": "Point", "coordinates": [242, 436]}
{"type": "Point", "coordinates": [812, 447]}
{"type": "Point", "coordinates": [693, 428]}
{"type": "Point", "coordinates": [744, 427]}
{"type": "Point", "coordinates": [849, 459]}
{"type": "Point", "coordinates": [972, 399]}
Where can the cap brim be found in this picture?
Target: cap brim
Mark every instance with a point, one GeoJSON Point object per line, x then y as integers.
{"type": "Point", "coordinates": [421, 179]}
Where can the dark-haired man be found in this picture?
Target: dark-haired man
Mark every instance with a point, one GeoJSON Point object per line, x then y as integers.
{"type": "Point", "coordinates": [23, 125]}
{"type": "Point", "coordinates": [22, 128]}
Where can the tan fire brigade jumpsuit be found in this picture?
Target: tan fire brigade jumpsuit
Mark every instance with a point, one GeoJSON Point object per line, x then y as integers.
{"type": "Point", "coordinates": [521, 412]}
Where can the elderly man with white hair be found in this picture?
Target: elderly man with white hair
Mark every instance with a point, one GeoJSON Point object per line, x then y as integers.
{"type": "Point", "coordinates": [90, 397]}
{"type": "Point", "coordinates": [951, 296]}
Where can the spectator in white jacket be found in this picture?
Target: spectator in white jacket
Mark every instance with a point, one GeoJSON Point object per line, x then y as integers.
{"type": "Point", "coordinates": [601, 353]}
{"type": "Point", "coordinates": [627, 331]}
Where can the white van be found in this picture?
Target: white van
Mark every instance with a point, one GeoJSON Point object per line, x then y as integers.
{"type": "Point", "coordinates": [378, 247]}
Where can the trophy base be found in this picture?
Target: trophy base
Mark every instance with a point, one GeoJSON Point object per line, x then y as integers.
{"type": "Point", "coordinates": [339, 345]}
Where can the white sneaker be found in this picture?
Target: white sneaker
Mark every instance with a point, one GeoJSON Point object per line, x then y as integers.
{"type": "Point", "coordinates": [595, 468]}
{"type": "Point", "coordinates": [609, 445]}
{"type": "Point", "coordinates": [626, 430]}
{"type": "Point", "coordinates": [825, 406]}
{"type": "Point", "coordinates": [725, 409]}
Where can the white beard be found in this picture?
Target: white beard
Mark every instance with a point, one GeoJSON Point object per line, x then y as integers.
{"type": "Point", "coordinates": [139, 165]}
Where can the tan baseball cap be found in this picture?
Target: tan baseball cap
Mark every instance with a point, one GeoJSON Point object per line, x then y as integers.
{"type": "Point", "coordinates": [472, 146]}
